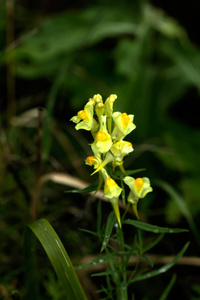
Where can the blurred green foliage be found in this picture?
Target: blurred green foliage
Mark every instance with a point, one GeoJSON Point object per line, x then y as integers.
{"type": "Point", "coordinates": [129, 48]}
{"type": "Point", "coordinates": [138, 53]}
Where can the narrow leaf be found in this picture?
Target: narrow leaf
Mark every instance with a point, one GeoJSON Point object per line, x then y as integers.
{"type": "Point", "coordinates": [153, 244]}
{"type": "Point", "coordinates": [120, 175]}
{"type": "Point", "coordinates": [88, 189]}
{"type": "Point", "coordinates": [164, 268]}
{"type": "Point", "coordinates": [98, 260]}
{"type": "Point", "coordinates": [168, 288]}
{"type": "Point", "coordinates": [109, 227]}
{"type": "Point", "coordinates": [131, 172]}
{"type": "Point", "coordinates": [88, 231]}
{"type": "Point", "coordinates": [147, 260]}
{"type": "Point", "coordinates": [153, 228]}
{"type": "Point", "coordinates": [106, 273]}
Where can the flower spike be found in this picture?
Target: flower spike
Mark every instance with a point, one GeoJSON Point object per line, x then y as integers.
{"type": "Point", "coordinates": [109, 148]}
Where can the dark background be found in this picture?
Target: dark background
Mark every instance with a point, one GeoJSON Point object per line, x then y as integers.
{"type": "Point", "coordinates": [54, 56]}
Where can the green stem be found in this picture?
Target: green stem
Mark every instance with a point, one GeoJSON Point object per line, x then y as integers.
{"type": "Point", "coordinates": [122, 295]}
{"type": "Point", "coordinates": [122, 289]}
{"type": "Point", "coordinates": [140, 246]}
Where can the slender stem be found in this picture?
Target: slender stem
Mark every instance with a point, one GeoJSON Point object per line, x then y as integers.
{"type": "Point", "coordinates": [115, 276]}
{"type": "Point", "coordinates": [122, 289]}
{"type": "Point", "coordinates": [140, 245]}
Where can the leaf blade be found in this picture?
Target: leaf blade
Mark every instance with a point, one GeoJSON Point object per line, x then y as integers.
{"type": "Point", "coordinates": [58, 257]}
{"type": "Point", "coordinates": [108, 230]}
{"type": "Point", "coordinates": [153, 228]}
{"type": "Point", "coordinates": [164, 268]}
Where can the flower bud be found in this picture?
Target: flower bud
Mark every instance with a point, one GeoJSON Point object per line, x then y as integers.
{"type": "Point", "coordinates": [99, 109]}
{"type": "Point", "coordinates": [109, 105]}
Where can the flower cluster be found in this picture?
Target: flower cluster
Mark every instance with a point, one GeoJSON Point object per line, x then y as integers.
{"type": "Point", "coordinates": [109, 148]}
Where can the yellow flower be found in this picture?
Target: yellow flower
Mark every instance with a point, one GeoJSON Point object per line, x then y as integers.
{"type": "Point", "coordinates": [109, 104]}
{"type": "Point", "coordinates": [123, 125]}
{"type": "Point", "coordinates": [109, 110]}
{"type": "Point", "coordinates": [116, 155]}
{"type": "Point", "coordinates": [99, 109]}
{"type": "Point", "coordinates": [93, 161]}
{"type": "Point", "coordinates": [84, 118]}
{"type": "Point", "coordinates": [108, 158]}
{"type": "Point", "coordinates": [111, 189]}
{"type": "Point", "coordinates": [112, 192]}
{"type": "Point", "coordinates": [138, 189]}
{"type": "Point", "coordinates": [97, 98]}
{"type": "Point", "coordinates": [103, 141]}
{"type": "Point", "coordinates": [119, 150]}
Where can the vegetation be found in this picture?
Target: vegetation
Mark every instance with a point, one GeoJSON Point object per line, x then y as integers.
{"type": "Point", "coordinates": [53, 58]}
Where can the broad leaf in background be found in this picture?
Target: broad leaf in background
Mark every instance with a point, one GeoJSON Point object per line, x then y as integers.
{"type": "Point", "coordinates": [58, 257]}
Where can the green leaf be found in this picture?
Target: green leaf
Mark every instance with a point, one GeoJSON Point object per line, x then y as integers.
{"type": "Point", "coordinates": [131, 172]}
{"type": "Point", "coordinates": [58, 257]}
{"type": "Point", "coordinates": [98, 260]}
{"type": "Point", "coordinates": [106, 273]}
{"type": "Point", "coordinates": [109, 227]}
{"type": "Point", "coordinates": [88, 189]}
{"type": "Point", "coordinates": [154, 243]}
{"type": "Point", "coordinates": [187, 59]}
{"type": "Point", "coordinates": [88, 231]}
{"type": "Point", "coordinates": [153, 228]}
{"type": "Point", "coordinates": [31, 274]}
{"type": "Point", "coordinates": [119, 175]}
{"type": "Point", "coordinates": [164, 268]}
{"type": "Point", "coordinates": [182, 205]}
{"type": "Point", "coordinates": [168, 288]}
{"type": "Point", "coordinates": [147, 260]}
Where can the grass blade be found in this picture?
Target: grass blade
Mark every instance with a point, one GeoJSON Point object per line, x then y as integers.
{"type": "Point", "coordinates": [58, 257]}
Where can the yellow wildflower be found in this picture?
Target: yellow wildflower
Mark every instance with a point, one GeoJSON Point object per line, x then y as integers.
{"type": "Point", "coordinates": [84, 118]}
{"type": "Point", "coordinates": [103, 141]}
{"type": "Point", "coordinates": [123, 125]}
{"type": "Point", "coordinates": [112, 192]}
{"type": "Point", "coordinates": [138, 189]}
